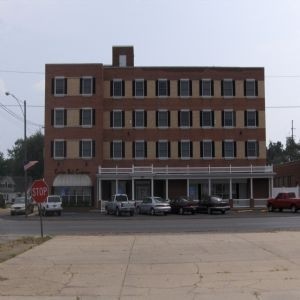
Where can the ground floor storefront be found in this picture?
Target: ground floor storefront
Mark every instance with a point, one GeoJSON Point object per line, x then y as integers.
{"type": "Point", "coordinates": [243, 186]}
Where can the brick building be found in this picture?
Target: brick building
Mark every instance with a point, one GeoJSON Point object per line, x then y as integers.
{"type": "Point", "coordinates": [163, 131]}
{"type": "Point", "coordinates": [287, 174]}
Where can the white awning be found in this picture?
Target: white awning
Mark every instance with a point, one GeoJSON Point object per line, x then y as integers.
{"type": "Point", "coordinates": [72, 180]}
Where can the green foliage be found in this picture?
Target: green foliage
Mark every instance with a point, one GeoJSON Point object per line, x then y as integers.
{"type": "Point", "coordinates": [277, 154]}
{"type": "Point", "coordinates": [35, 150]}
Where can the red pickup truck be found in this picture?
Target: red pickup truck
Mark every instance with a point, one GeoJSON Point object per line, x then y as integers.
{"type": "Point", "coordinates": [284, 201]}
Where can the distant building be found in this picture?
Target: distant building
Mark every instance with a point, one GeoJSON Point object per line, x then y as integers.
{"type": "Point", "coordinates": [287, 174]}
{"type": "Point", "coordinates": [164, 131]}
{"type": "Point", "coordinates": [12, 187]}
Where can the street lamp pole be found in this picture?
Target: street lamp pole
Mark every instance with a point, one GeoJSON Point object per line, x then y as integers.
{"type": "Point", "coordinates": [25, 145]}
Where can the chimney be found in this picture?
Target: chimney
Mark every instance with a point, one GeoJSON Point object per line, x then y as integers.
{"type": "Point", "coordinates": [123, 56]}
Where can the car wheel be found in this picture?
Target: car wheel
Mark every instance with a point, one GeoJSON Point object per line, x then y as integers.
{"type": "Point", "coordinates": [152, 212]}
{"type": "Point", "coordinates": [181, 211]}
{"type": "Point", "coordinates": [270, 208]}
{"type": "Point", "coordinates": [293, 209]}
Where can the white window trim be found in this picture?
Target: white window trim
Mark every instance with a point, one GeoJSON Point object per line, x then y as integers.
{"type": "Point", "coordinates": [211, 152]}
{"type": "Point", "coordinates": [158, 82]}
{"type": "Point", "coordinates": [91, 110]}
{"type": "Point", "coordinates": [188, 81]}
{"type": "Point", "coordinates": [185, 157]}
{"type": "Point", "coordinates": [117, 80]}
{"type": "Point", "coordinates": [55, 78]}
{"type": "Point", "coordinates": [143, 111]}
{"type": "Point", "coordinates": [164, 111]}
{"type": "Point", "coordinates": [212, 121]}
{"type": "Point", "coordinates": [54, 117]}
{"type": "Point", "coordinates": [54, 150]}
{"type": "Point", "coordinates": [205, 96]}
{"type": "Point", "coordinates": [252, 157]}
{"type": "Point", "coordinates": [231, 96]}
{"type": "Point", "coordinates": [139, 141]}
{"type": "Point", "coordinates": [232, 112]}
{"type": "Point", "coordinates": [91, 93]}
{"type": "Point", "coordinates": [184, 126]}
{"type": "Point", "coordinates": [254, 96]}
{"type": "Point", "coordinates": [251, 126]}
{"type": "Point", "coordinates": [229, 157]}
{"type": "Point", "coordinates": [91, 152]}
{"type": "Point", "coordinates": [113, 121]}
{"type": "Point", "coordinates": [113, 150]}
{"type": "Point", "coordinates": [163, 141]}
{"type": "Point", "coordinates": [143, 81]}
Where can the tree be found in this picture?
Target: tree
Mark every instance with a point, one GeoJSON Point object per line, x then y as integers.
{"type": "Point", "coordinates": [292, 150]}
{"type": "Point", "coordinates": [3, 165]}
{"type": "Point", "coordinates": [275, 153]}
{"type": "Point", "coordinates": [35, 150]}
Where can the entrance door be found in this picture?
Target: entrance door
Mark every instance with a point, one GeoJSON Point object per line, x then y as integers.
{"type": "Point", "coordinates": [142, 189]}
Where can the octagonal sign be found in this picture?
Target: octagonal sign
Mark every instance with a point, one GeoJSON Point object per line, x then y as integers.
{"type": "Point", "coordinates": [39, 191]}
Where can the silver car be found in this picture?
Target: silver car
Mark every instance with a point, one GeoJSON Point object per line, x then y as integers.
{"type": "Point", "coordinates": [153, 205]}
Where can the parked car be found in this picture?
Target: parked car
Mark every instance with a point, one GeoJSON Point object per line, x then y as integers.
{"type": "Point", "coordinates": [284, 201]}
{"type": "Point", "coordinates": [184, 204]}
{"type": "Point", "coordinates": [153, 205]}
{"type": "Point", "coordinates": [210, 204]}
{"type": "Point", "coordinates": [52, 205]}
{"type": "Point", "coordinates": [120, 204]}
{"type": "Point", "coordinates": [18, 207]}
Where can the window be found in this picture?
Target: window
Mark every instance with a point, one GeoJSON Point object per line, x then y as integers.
{"type": "Point", "coordinates": [251, 118]}
{"type": "Point", "coordinates": [207, 149]}
{"type": "Point", "coordinates": [86, 117]}
{"type": "Point", "coordinates": [185, 149]}
{"type": "Point", "coordinates": [117, 88]}
{"type": "Point", "coordinates": [86, 86]}
{"type": "Point", "coordinates": [162, 88]}
{"type": "Point", "coordinates": [139, 119]}
{"type": "Point", "coordinates": [206, 87]}
{"type": "Point", "coordinates": [139, 88]}
{"type": "Point", "coordinates": [228, 88]}
{"type": "Point", "coordinates": [229, 149]}
{"type": "Point", "coordinates": [117, 119]}
{"type": "Point", "coordinates": [59, 117]}
{"type": "Point", "coordinates": [60, 86]}
{"type": "Point", "coordinates": [184, 88]}
{"type": "Point", "coordinates": [86, 148]}
{"type": "Point", "coordinates": [59, 149]}
{"type": "Point", "coordinates": [251, 149]}
{"type": "Point", "coordinates": [163, 118]}
{"type": "Point", "coordinates": [228, 118]}
{"type": "Point", "coordinates": [185, 118]}
{"type": "Point", "coordinates": [250, 88]}
{"type": "Point", "coordinates": [140, 149]}
{"type": "Point", "coordinates": [117, 149]}
{"type": "Point", "coordinates": [162, 149]}
{"type": "Point", "coordinates": [207, 118]}
{"type": "Point", "coordinates": [122, 60]}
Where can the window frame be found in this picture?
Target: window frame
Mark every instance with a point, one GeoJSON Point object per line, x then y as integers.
{"type": "Point", "coordinates": [55, 125]}
{"type": "Point", "coordinates": [158, 119]}
{"type": "Point", "coordinates": [255, 142]}
{"type": "Point", "coordinates": [115, 111]}
{"type": "Point", "coordinates": [55, 148]}
{"type": "Point", "coordinates": [119, 142]}
{"type": "Point", "coordinates": [119, 81]}
{"type": "Point", "coordinates": [210, 111]}
{"type": "Point", "coordinates": [211, 149]}
{"type": "Point", "coordinates": [142, 82]}
{"type": "Point", "coordinates": [227, 80]}
{"type": "Point", "coordinates": [205, 80]}
{"type": "Point", "coordinates": [159, 143]}
{"type": "Point", "coordinates": [90, 141]}
{"type": "Point", "coordinates": [91, 117]}
{"type": "Point", "coordinates": [226, 111]}
{"type": "Point", "coordinates": [159, 81]}
{"type": "Point", "coordinates": [252, 80]}
{"type": "Point", "coordinates": [55, 86]}
{"type": "Point", "coordinates": [185, 142]}
{"type": "Point", "coordinates": [141, 112]}
{"type": "Point", "coordinates": [185, 80]}
{"type": "Point", "coordinates": [189, 118]}
{"type": "Point", "coordinates": [255, 118]}
{"type": "Point", "coordinates": [83, 79]}
{"type": "Point", "coordinates": [135, 150]}
{"type": "Point", "coordinates": [232, 142]}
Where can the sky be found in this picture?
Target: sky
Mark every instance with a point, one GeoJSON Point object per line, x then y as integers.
{"type": "Point", "coordinates": [232, 33]}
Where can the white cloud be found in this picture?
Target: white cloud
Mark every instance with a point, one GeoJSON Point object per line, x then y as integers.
{"type": "Point", "coordinates": [40, 86]}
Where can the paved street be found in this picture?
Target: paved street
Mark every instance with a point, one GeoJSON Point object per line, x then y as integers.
{"type": "Point", "coordinates": [171, 266]}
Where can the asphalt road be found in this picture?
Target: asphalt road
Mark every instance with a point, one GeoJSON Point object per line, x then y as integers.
{"type": "Point", "coordinates": [94, 223]}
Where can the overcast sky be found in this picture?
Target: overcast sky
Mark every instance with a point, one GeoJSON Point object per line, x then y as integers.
{"type": "Point", "coordinates": [256, 33]}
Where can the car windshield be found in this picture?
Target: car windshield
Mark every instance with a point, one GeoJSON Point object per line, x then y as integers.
{"type": "Point", "coordinates": [19, 200]}
{"type": "Point", "coordinates": [54, 199]}
{"type": "Point", "coordinates": [121, 198]}
{"type": "Point", "coordinates": [158, 200]}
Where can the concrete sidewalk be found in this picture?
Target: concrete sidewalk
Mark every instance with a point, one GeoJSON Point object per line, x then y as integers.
{"type": "Point", "coordinates": [191, 266]}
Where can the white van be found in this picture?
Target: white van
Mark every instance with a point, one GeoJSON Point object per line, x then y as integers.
{"type": "Point", "coordinates": [52, 205]}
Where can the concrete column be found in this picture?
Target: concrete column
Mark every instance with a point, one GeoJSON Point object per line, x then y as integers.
{"type": "Point", "coordinates": [132, 188]}
{"type": "Point", "coordinates": [188, 187]}
{"type": "Point", "coordinates": [209, 186]}
{"type": "Point", "coordinates": [167, 188]}
{"type": "Point", "coordinates": [152, 187]}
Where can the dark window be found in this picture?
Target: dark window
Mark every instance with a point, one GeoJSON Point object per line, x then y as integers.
{"type": "Point", "coordinates": [250, 88]}
{"type": "Point", "coordinates": [228, 88]}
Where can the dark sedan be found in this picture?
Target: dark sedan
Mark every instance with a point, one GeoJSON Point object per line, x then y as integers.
{"type": "Point", "coordinates": [211, 204]}
{"type": "Point", "coordinates": [184, 204]}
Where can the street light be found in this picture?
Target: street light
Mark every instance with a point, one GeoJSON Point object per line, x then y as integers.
{"type": "Point", "coordinates": [23, 109]}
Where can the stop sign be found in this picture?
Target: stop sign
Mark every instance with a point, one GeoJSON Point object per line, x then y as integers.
{"type": "Point", "coordinates": [39, 191]}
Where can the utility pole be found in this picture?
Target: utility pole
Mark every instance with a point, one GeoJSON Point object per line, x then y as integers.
{"type": "Point", "coordinates": [293, 130]}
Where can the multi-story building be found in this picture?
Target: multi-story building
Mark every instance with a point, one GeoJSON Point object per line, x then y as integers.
{"type": "Point", "coordinates": [165, 131]}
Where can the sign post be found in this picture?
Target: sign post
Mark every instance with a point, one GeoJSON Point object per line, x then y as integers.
{"type": "Point", "coordinates": [39, 193]}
